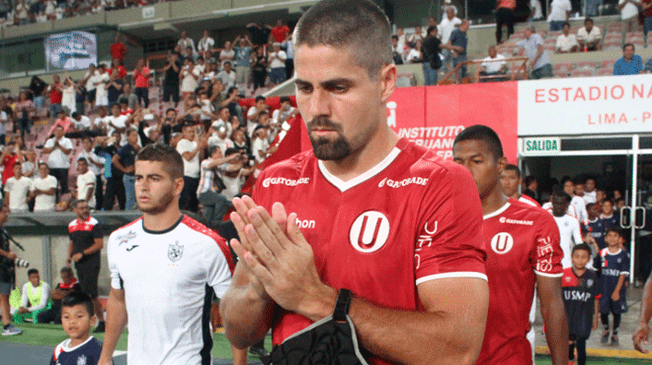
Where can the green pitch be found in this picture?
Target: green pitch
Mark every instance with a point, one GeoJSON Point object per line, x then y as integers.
{"type": "Point", "coordinates": [51, 335]}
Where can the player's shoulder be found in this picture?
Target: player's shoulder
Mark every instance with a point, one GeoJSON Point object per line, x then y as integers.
{"type": "Point", "coordinates": [292, 167]}
{"type": "Point", "coordinates": [127, 230]}
{"type": "Point", "coordinates": [197, 228]}
{"type": "Point", "coordinates": [421, 161]}
{"type": "Point", "coordinates": [527, 211]}
{"type": "Point", "coordinates": [92, 221]}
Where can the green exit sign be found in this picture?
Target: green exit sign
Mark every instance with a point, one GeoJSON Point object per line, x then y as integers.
{"type": "Point", "coordinates": [541, 146]}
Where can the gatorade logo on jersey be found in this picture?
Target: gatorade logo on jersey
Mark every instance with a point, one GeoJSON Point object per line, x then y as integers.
{"type": "Point", "coordinates": [369, 232]}
{"type": "Point", "coordinates": [502, 243]}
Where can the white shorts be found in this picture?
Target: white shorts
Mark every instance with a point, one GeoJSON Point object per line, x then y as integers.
{"type": "Point", "coordinates": [102, 100]}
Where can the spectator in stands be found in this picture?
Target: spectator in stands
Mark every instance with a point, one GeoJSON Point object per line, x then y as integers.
{"type": "Point", "coordinates": [101, 80]}
{"type": "Point", "coordinates": [189, 76]}
{"type": "Point", "coordinates": [457, 45]}
{"type": "Point", "coordinates": [646, 8]}
{"type": "Point", "coordinates": [416, 36]}
{"type": "Point", "coordinates": [259, 68]}
{"type": "Point", "coordinates": [220, 139]}
{"type": "Point", "coordinates": [628, 15]}
{"type": "Point", "coordinates": [227, 76]}
{"type": "Point", "coordinates": [141, 82]}
{"type": "Point", "coordinates": [67, 285]}
{"type": "Point", "coordinates": [285, 112]}
{"type": "Point", "coordinates": [630, 63]}
{"type": "Point", "coordinates": [235, 176]}
{"type": "Point", "coordinates": [493, 66]}
{"type": "Point", "coordinates": [205, 45]}
{"type": "Point", "coordinates": [69, 93]}
{"type": "Point", "coordinates": [127, 98]}
{"type": "Point", "coordinates": [232, 102]}
{"type": "Point", "coordinates": [592, 7]}
{"type": "Point", "coordinates": [29, 166]}
{"type": "Point", "coordinates": [114, 87]}
{"type": "Point", "coordinates": [414, 54]}
{"type": "Point", "coordinates": [191, 148]}
{"type": "Point", "coordinates": [280, 31]}
{"type": "Point", "coordinates": [254, 112]}
{"type": "Point", "coordinates": [259, 33]}
{"type": "Point", "coordinates": [558, 14]}
{"type": "Point", "coordinates": [22, 13]}
{"type": "Point", "coordinates": [289, 51]}
{"type": "Point", "coordinates": [125, 160]}
{"type": "Point", "coordinates": [85, 189]}
{"type": "Point", "coordinates": [62, 121]}
{"type": "Point", "coordinates": [59, 148]}
{"type": "Point", "coordinates": [24, 111]}
{"type": "Point", "coordinates": [10, 156]}
{"type": "Point", "coordinates": [431, 56]}
{"type": "Point", "coordinates": [224, 117]}
{"type": "Point", "coordinates": [276, 60]}
{"type": "Point", "coordinates": [37, 86]}
{"type": "Point", "coordinates": [260, 146]}
{"type": "Point", "coordinates": [589, 37]}
{"type": "Point", "coordinates": [118, 49]}
{"type": "Point", "coordinates": [106, 149]}
{"type": "Point", "coordinates": [243, 59]}
{"type": "Point", "coordinates": [16, 189]}
{"type": "Point", "coordinates": [566, 42]}
{"type": "Point", "coordinates": [43, 190]}
{"type": "Point", "coordinates": [89, 79]}
{"type": "Point", "coordinates": [227, 54]}
{"type": "Point", "coordinates": [96, 166]}
{"type": "Point", "coordinates": [214, 204]}
{"type": "Point", "coordinates": [35, 296]}
{"type": "Point", "coordinates": [402, 41]}
{"type": "Point", "coordinates": [504, 16]}
{"type": "Point", "coordinates": [533, 46]}
{"type": "Point", "coordinates": [80, 96]}
{"type": "Point", "coordinates": [397, 54]}
{"type": "Point", "coordinates": [647, 69]}
{"type": "Point", "coordinates": [536, 11]}
{"type": "Point", "coordinates": [186, 42]}
{"type": "Point", "coordinates": [448, 25]}
{"type": "Point", "coordinates": [4, 120]}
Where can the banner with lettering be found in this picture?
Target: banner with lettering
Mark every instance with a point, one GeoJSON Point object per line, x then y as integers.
{"type": "Point", "coordinates": [592, 105]}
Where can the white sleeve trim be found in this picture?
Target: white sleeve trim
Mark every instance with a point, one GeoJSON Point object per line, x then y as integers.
{"type": "Point", "coordinates": [459, 274]}
{"type": "Point", "coordinates": [624, 273]}
{"type": "Point", "coordinates": [549, 275]}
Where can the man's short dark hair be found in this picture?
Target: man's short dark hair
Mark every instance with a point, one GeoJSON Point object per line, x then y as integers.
{"type": "Point", "coordinates": [359, 25]}
{"type": "Point", "coordinates": [430, 29]}
{"type": "Point", "coordinates": [75, 115]}
{"type": "Point", "coordinates": [512, 167]}
{"type": "Point", "coordinates": [231, 151]}
{"type": "Point", "coordinates": [171, 109]}
{"type": "Point", "coordinates": [260, 97]}
{"type": "Point", "coordinates": [588, 20]}
{"type": "Point", "coordinates": [590, 205]}
{"type": "Point", "coordinates": [171, 159]}
{"type": "Point", "coordinates": [285, 98]}
{"type": "Point", "coordinates": [609, 200]}
{"type": "Point", "coordinates": [578, 180]}
{"type": "Point", "coordinates": [76, 202]}
{"type": "Point", "coordinates": [231, 89]}
{"type": "Point", "coordinates": [82, 159]}
{"type": "Point", "coordinates": [563, 194]}
{"type": "Point", "coordinates": [31, 271]}
{"type": "Point", "coordinates": [565, 24]}
{"type": "Point", "coordinates": [394, 37]}
{"type": "Point", "coordinates": [485, 134]}
{"type": "Point", "coordinates": [67, 270]}
{"type": "Point", "coordinates": [582, 246]}
{"type": "Point", "coordinates": [615, 229]}
{"type": "Point", "coordinates": [78, 298]}
{"type": "Point", "coordinates": [628, 45]}
{"type": "Point", "coordinates": [529, 180]}
{"type": "Point", "coordinates": [84, 138]}
{"type": "Point", "coordinates": [43, 163]}
{"type": "Point", "coordinates": [225, 62]}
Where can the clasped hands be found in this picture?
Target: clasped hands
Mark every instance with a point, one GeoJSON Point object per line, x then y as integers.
{"type": "Point", "coordinates": [279, 260]}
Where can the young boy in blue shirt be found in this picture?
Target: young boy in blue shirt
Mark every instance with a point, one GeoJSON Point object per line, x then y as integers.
{"type": "Point", "coordinates": [614, 272]}
{"type": "Point", "coordinates": [77, 319]}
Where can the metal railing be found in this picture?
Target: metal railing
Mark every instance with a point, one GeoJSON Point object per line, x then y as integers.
{"type": "Point", "coordinates": [520, 73]}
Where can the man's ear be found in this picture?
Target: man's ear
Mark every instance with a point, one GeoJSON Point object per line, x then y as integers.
{"type": "Point", "coordinates": [387, 82]}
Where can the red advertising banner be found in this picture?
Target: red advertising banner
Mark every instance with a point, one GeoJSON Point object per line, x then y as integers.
{"type": "Point", "coordinates": [433, 116]}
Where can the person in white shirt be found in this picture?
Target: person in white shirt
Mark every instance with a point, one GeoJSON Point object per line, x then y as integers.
{"type": "Point", "coordinates": [3, 130]}
{"type": "Point", "coordinates": [205, 45]}
{"type": "Point", "coordinates": [227, 75]}
{"type": "Point", "coordinates": [43, 190]}
{"type": "Point", "coordinates": [493, 65]}
{"type": "Point", "coordinates": [254, 112]}
{"type": "Point", "coordinates": [401, 45]}
{"type": "Point", "coordinates": [220, 139]}
{"type": "Point", "coordinates": [448, 25]}
{"type": "Point", "coordinates": [417, 35]}
{"type": "Point", "coordinates": [34, 296]}
{"type": "Point", "coordinates": [95, 165]}
{"type": "Point", "coordinates": [214, 204]}
{"type": "Point", "coordinates": [569, 227]}
{"type": "Point", "coordinates": [81, 122]}
{"type": "Point", "coordinates": [164, 269]}
{"type": "Point", "coordinates": [85, 183]}
{"type": "Point", "coordinates": [234, 174]}
{"type": "Point", "coordinates": [59, 148]}
{"type": "Point", "coordinates": [276, 61]}
{"type": "Point", "coordinates": [186, 42]}
{"type": "Point", "coordinates": [537, 11]}
{"type": "Point", "coordinates": [101, 86]}
{"type": "Point", "coordinates": [223, 121]}
{"type": "Point", "coordinates": [578, 204]}
{"type": "Point", "coordinates": [227, 54]}
{"type": "Point", "coordinates": [189, 78]}
{"type": "Point", "coordinates": [414, 55]}
{"type": "Point", "coordinates": [558, 14]}
{"type": "Point", "coordinates": [118, 123]}
{"type": "Point", "coordinates": [589, 37]}
{"type": "Point", "coordinates": [629, 15]}
{"type": "Point", "coordinates": [16, 190]}
{"type": "Point", "coordinates": [566, 42]}
{"type": "Point", "coordinates": [286, 111]}
{"type": "Point", "coordinates": [260, 146]}
{"type": "Point", "coordinates": [191, 148]}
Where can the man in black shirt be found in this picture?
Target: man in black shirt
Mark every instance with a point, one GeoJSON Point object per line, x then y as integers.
{"type": "Point", "coordinates": [67, 285]}
{"type": "Point", "coordinates": [114, 187]}
{"type": "Point", "coordinates": [86, 242]}
{"type": "Point", "coordinates": [259, 33]}
{"type": "Point", "coordinates": [171, 81]}
{"type": "Point", "coordinates": [431, 60]}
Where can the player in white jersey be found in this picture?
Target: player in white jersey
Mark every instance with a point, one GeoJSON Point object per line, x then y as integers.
{"type": "Point", "coordinates": [569, 227]}
{"type": "Point", "coordinates": [164, 267]}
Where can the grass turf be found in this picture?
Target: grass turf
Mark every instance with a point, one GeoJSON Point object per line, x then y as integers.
{"type": "Point", "coordinates": [51, 335]}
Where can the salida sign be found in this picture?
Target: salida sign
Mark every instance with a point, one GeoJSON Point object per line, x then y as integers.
{"type": "Point", "coordinates": [541, 146]}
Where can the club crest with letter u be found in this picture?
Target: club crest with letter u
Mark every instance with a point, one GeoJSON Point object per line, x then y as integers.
{"type": "Point", "coordinates": [175, 251]}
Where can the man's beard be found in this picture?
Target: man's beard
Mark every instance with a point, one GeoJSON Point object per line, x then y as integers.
{"type": "Point", "coordinates": [324, 148]}
{"type": "Point", "coordinates": [158, 206]}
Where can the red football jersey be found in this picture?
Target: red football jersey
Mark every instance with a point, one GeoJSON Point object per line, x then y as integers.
{"type": "Point", "coordinates": [522, 241]}
{"type": "Point", "coordinates": [412, 218]}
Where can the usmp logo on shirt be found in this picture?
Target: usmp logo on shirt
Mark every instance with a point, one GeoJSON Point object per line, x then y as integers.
{"type": "Point", "coordinates": [175, 251]}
